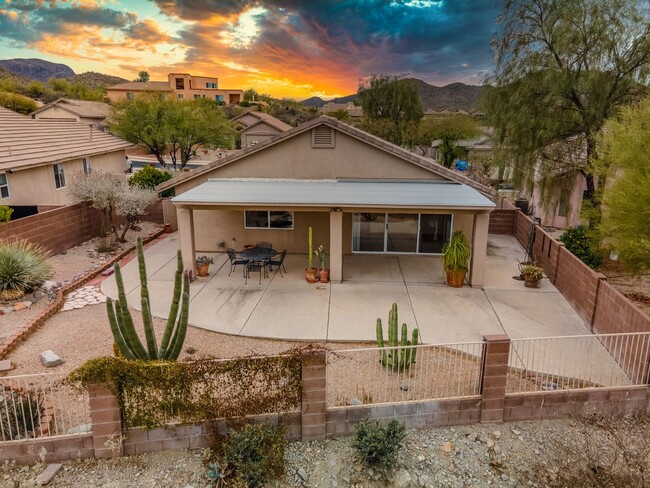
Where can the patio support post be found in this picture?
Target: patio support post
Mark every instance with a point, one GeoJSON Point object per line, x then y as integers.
{"type": "Point", "coordinates": [186, 237]}
{"type": "Point", "coordinates": [336, 246]}
{"type": "Point", "coordinates": [493, 382]}
{"type": "Point", "coordinates": [479, 249]}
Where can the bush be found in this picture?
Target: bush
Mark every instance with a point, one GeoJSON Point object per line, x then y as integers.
{"type": "Point", "coordinates": [5, 213]}
{"type": "Point", "coordinates": [379, 446]}
{"type": "Point", "coordinates": [255, 453]}
{"type": "Point", "coordinates": [17, 103]}
{"type": "Point", "coordinates": [20, 414]}
{"type": "Point", "coordinates": [582, 244]}
{"type": "Point", "coordinates": [23, 268]}
{"type": "Point", "coordinates": [149, 177]}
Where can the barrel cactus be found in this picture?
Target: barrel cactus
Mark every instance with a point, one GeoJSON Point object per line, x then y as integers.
{"type": "Point", "coordinates": [400, 356]}
{"type": "Point", "coordinates": [121, 322]}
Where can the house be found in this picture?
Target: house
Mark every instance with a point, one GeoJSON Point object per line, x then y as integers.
{"type": "Point", "coordinates": [359, 193]}
{"type": "Point", "coordinates": [255, 127]}
{"type": "Point", "coordinates": [355, 112]}
{"type": "Point", "coordinates": [561, 206]}
{"type": "Point", "coordinates": [69, 110]}
{"type": "Point", "coordinates": [178, 85]}
{"type": "Point", "coordinates": [38, 158]}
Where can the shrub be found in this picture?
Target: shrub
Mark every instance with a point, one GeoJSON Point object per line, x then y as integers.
{"type": "Point", "coordinates": [379, 446]}
{"type": "Point", "coordinates": [582, 244]}
{"type": "Point", "coordinates": [17, 103]}
{"type": "Point", "coordinates": [20, 415]}
{"type": "Point", "coordinates": [255, 453]}
{"type": "Point", "coordinates": [23, 268]}
{"type": "Point", "coordinates": [150, 177]}
{"type": "Point", "coordinates": [5, 213]}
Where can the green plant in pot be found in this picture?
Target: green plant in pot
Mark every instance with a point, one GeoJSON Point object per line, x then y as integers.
{"type": "Point", "coordinates": [203, 264]}
{"type": "Point", "coordinates": [532, 274]}
{"type": "Point", "coordinates": [455, 258]}
{"type": "Point", "coordinates": [323, 272]}
{"type": "Point", "coordinates": [310, 271]}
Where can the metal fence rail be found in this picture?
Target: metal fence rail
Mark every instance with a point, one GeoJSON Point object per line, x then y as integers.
{"type": "Point", "coordinates": [357, 376]}
{"type": "Point", "coordinates": [41, 405]}
{"type": "Point", "coordinates": [575, 362]}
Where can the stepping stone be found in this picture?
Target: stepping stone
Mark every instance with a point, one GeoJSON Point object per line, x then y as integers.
{"type": "Point", "coordinates": [19, 306]}
{"type": "Point", "coordinates": [49, 359]}
{"type": "Point", "coordinates": [5, 365]}
{"type": "Point", "coordinates": [67, 307]}
{"type": "Point", "coordinates": [108, 272]}
{"type": "Point", "coordinates": [50, 472]}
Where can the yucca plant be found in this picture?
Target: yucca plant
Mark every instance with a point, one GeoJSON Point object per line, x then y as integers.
{"type": "Point", "coordinates": [23, 268]}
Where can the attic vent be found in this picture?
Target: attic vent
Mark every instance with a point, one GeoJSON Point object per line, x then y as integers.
{"type": "Point", "coordinates": [322, 136]}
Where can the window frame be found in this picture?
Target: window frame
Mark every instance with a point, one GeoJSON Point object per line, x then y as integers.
{"type": "Point", "coordinates": [87, 167]}
{"type": "Point", "coordinates": [60, 182]}
{"type": "Point", "coordinates": [293, 220]}
{"type": "Point", "coordinates": [4, 186]}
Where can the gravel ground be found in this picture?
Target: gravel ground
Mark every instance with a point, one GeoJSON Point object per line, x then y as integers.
{"type": "Point", "coordinates": [636, 288]}
{"type": "Point", "coordinates": [534, 454]}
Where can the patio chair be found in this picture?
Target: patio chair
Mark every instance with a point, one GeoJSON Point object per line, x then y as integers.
{"type": "Point", "coordinates": [264, 244]}
{"type": "Point", "coordinates": [277, 260]}
{"type": "Point", "coordinates": [235, 261]}
{"type": "Point", "coordinates": [256, 265]}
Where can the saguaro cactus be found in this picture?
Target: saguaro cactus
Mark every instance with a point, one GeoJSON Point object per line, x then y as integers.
{"type": "Point", "coordinates": [121, 322]}
{"type": "Point", "coordinates": [403, 356]}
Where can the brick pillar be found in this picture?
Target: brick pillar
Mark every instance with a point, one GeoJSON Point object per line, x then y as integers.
{"type": "Point", "coordinates": [314, 366]}
{"type": "Point", "coordinates": [106, 421]}
{"type": "Point", "coordinates": [493, 382]}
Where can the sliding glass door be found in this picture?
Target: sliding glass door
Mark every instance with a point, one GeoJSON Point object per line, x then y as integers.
{"type": "Point", "coordinates": [400, 233]}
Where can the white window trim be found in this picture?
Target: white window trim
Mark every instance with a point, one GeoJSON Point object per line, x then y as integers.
{"type": "Point", "coordinates": [293, 220]}
{"type": "Point", "coordinates": [5, 185]}
{"type": "Point", "coordinates": [63, 172]}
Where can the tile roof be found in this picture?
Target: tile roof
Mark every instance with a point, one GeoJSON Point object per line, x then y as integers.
{"type": "Point", "coordinates": [141, 86]}
{"type": "Point", "coordinates": [27, 142]}
{"type": "Point", "coordinates": [82, 108]}
{"type": "Point", "coordinates": [263, 117]}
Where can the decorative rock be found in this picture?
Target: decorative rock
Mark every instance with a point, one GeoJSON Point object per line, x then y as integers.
{"type": "Point", "coordinates": [516, 432]}
{"type": "Point", "coordinates": [496, 434]}
{"type": "Point", "coordinates": [49, 359]}
{"type": "Point", "coordinates": [447, 447]}
{"type": "Point", "coordinates": [190, 350]}
{"type": "Point", "coordinates": [5, 365]}
{"type": "Point", "coordinates": [27, 304]}
{"type": "Point", "coordinates": [303, 475]}
{"type": "Point", "coordinates": [8, 309]}
{"type": "Point", "coordinates": [50, 472]}
{"type": "Point", "coordinates": [403, 479]}
{"type": "Point", "coordinates": [355, 401]}
{"type": "Point", "coordinates": [19, 306]}
{"type": "Point", "coordinates": [490, 443]}
{"type": "Point", "coordinates": [404, 387]}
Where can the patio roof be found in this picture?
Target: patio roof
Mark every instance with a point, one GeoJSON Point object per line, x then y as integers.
{"type": "Point", "coordinates": [432, 194]}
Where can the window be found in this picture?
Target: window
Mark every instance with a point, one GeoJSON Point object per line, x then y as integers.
{"type": "Point", "coordinates": [87, 168]}
{"type": "Point", "coordinates": [322, 136]}
{"type": "Point", "coordinates": [180, 96]}
{"type": "Point", "coordinates": [564, 202]}
{"type": "Point", "coordinates": [129, 96]}
{"type": "Point", "coordinates": [4, 185]}
{"type": "Point", "coordinates": [196, 97]}
{"type": "Point", "coordinates": [59, 176]}
{"type": "Point", "coordinates": [207, 85]}
{"type": "Point", "coordinates": [180, 84]}
{"type": "Point", "coordinates": [268, 219]}
{"type": "Point", "coordinates": [218, 98]}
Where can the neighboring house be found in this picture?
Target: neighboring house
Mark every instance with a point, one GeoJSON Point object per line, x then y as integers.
{"type": "Point", "coordinates": [68, 110]}
{"type": "Point", "coordinates": [178, 85]}
{"type": "Point", "coordinates": [479, 147]}
{"type": "Point", "coordinates": [355, 112]}
{"type": "Point", "coordinates": [560, 209]}
{"type": "Point", "coordinates": [255, 127]}
{"type": "Point", "coordinates": [38, 158]}
{"type": "Point", "coordinates": [360, 194]}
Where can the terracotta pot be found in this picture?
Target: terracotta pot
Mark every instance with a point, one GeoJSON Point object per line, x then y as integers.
{"type": "Point", "coordinates": [456, 278]}
{"type": "Point", "coordinates": [324, 275]}
{"type": "Point", "coordinates": [310, 274]}
{"type": "Point", "coordinates": [202, 269]}
{"type": "Point", "coordinates": [168, 228]}
{"type": "Point", "coordinates": [530, 282]}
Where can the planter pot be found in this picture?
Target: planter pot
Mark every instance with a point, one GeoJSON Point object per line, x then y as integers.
{"type": "Point", "coordinates": [310, 274]}
{"type": "Point", "coordinates": [530, 282]}
{"type": "Point", "coordinates": [324, 275]}
{"type": "Point", "coordinates": [202, 269]}
{"type": "Point", "coordinates": [456, 278]}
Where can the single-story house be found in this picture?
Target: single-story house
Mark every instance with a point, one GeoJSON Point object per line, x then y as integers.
{"type": "Point", "coordinates": [255, 127]}
{"type": "Point", "coordinates": [359, 193]}
{"type": "Point", "coordinates": [68, 110]}
{"type": "Point", "coordinates": [38, 158]}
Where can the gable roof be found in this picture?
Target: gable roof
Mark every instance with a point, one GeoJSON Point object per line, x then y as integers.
{"type": "Point", "coordinates": [263, 117]}
{"type": "Point", "coordinates": [82, 108]}
{"type": "Point", "coordinates": [358, 134]}
{"type": "Point", "coordinates": [142, 86]}
{"type": "Point", "coordinates": [28, 142]}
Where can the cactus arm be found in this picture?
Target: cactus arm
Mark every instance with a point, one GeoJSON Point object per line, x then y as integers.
{"type": "Point", "coordinates": [124, 319]}
{"type": "Point", "coordinates": [173, 309]}
{"type": "Point", "coordinates": [415, 341]}
{"type": "Point", "coordinates": [149, 333]}
{"type": "Point", "coordinates": [310, 259]}
{"type": "Point", "coordinates": [117, 334]}
{"type": "Point", "coordinates": [181, 328]}
{"type": "Point", "coordinates": [380, 342]}
{"type": "Point", "coordinates": [404, 351]}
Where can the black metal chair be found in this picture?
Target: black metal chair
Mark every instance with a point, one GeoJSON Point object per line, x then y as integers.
{"type": "Point", "coordinates": [235, 261]}
{"type": "Point", "coordinates": [277, 260]}
{"type": "Point", "coordinates": [264, 244]}
{"type": "Point", "coordinates": [256, 265]}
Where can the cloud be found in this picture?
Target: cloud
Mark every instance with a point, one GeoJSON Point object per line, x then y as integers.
{"type": "Point", "coordinates": [146, 31]}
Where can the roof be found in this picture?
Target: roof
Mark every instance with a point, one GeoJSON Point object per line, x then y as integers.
{"type": "Point", "coordinates": [370, 139]}
{"type": "Point", "coordinates": [415, 194]}
{"type": "Point", "coordinates": [28, 142]}
{"type": "Point", "coordinates": [142, 86]}
{"type": "Point", "coordinates": [82, 108]}
{"type": "Point", "coordinates": [263, 117]}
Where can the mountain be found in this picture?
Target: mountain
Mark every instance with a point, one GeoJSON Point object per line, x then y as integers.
{"type": "Point", "coordinates": [5, 74]}
{"type": "Point", "coordinates": [94, 80]}
{"type": "Point", "coordinates": [36, 69]}
{"type": "Point", "coordinates": [314, 102]}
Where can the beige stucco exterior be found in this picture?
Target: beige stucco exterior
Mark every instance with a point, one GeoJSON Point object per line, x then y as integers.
{"type": "Point", "coordinates": [36, 186]}
{"type": "Point", "coordinates": [257, 133]}
{"type": "Point", "coordinates": [56, 113]}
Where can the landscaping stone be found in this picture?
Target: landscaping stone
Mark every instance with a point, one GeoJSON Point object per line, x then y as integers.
{"type": "Point", "coordinates": [19, 306]}
{"type": "Point", "coordinates": [5, 365]}
{"type": "Point", "coordinates": [49, 473]}
{"type": "Point", "coordinates": [50, 359]}
{"type": "Point", "coordinates": [303, 474]}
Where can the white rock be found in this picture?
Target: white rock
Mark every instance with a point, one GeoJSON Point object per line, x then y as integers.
{"type": "Point", "coordinates": [49, 359]}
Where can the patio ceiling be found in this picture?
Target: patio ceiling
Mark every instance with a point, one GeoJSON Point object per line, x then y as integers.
{"type": "Point", "coordinates": [430, 194]}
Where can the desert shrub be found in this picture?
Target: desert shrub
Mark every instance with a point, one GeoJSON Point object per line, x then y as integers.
{"type": "Point", "coordinates": [379, 446]}
{"type": "Point", "coordinates": [23, 268]}
{"type": "Point", "coordinates": [150, 177]}
{"type": "Point", "coordinates": [20, 415]}
{"type": "Point", "coordinates": [255, 453]}
{"type": "Point", "coordinates": [17, 103]}
{"type": "Point", "coordinates": [583, 246]}
{"type": "Point", "coordinates": [5, 213]}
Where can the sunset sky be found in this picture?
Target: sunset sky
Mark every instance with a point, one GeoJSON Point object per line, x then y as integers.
{"type": "Point", "coordinates": [286, 48]}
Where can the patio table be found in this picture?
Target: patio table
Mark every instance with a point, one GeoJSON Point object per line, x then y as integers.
{"type": "Point", "coordinates": [257, 253]}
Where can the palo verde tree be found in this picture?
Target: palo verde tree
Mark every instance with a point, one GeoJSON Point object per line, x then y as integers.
{"type": "Point", "coordinates": [449, 130]}
{"type": "Point", "coordinates": [562, 69]}
{"type": "Point", "coordinates": [389, 105]}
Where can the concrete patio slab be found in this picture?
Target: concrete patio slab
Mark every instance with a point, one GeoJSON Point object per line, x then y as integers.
{"type": "Point", "coordinates": [501, 263]}
{"type": "Point", "coordinates": [364, 268]}
{"type": "Point", "coordinates": [160, 293]}
{"type": "Point", "coordinates": [422, 269]}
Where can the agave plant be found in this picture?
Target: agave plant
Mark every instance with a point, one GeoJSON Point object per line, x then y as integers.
{"type": "Point", "coordinates": [23, 268]}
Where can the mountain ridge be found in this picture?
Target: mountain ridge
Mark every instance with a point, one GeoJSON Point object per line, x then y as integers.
{"type": "Point", "coordinates": [36, 69]}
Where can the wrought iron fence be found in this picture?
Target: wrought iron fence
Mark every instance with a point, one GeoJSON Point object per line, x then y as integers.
{"type": "Point", "coordinates": [368, 375]}
{"type": "Point", "coordinates": [41, 405]}
{"type": "Point", "coordinates": [575, 362]}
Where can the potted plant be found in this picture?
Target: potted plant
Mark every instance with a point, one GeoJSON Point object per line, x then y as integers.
{"type": "Point", "coordinates": [310, 271]}
{"type": "Point", "coordinates": [324, 272]}
{"type": "Point", "coordinates": [455, 258]}
{"type": "Point", "coordinates": [202, 265]}
{"type": "Point", "coordinates": [532, 274]}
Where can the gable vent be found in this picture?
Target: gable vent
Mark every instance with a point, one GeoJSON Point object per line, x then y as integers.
{"type": "Point", "coordinates": [322, 136]}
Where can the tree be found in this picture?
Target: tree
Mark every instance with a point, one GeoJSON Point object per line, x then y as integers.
{"type": "Point", "coordinates": [143, 77]}
{"type": "Point", "coordinates": [449, 130]}
{"type": "Point", "coordinates": [35, 89]}
{"type": "Point", "coordinates": [626, 209]}
{"type": "Point", "coordinates": [562, 68]}
{"type": "Point", "coordinates": [17, 103]}
{"type": "Point", "coordinates": [291, 112]}
{"type": "Point", "coordinates": [391, 100]}
{"type": "Point", "coordinates": [150, 177]}
{"type": "Point", "coordinates": [340, 114]}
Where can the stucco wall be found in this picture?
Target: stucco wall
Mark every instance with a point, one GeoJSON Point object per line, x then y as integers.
{"type": "Point", "coordinates": [56, 113]}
